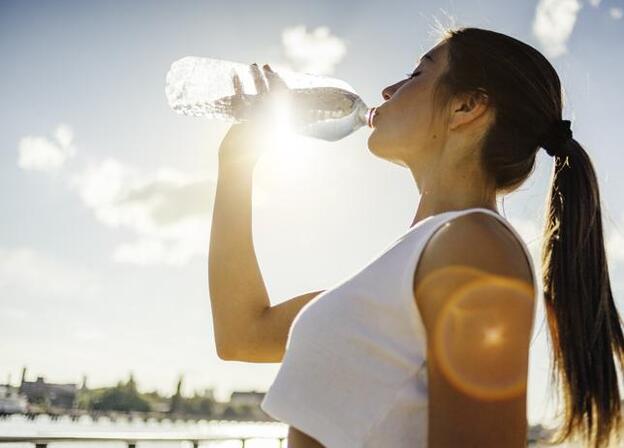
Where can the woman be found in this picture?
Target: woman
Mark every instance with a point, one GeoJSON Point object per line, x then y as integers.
{"type": "Point", "coordinates": [428, 344]}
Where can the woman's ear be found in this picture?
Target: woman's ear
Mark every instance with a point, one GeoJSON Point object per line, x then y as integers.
{"type": "Point", "coordinates": [468, 107]}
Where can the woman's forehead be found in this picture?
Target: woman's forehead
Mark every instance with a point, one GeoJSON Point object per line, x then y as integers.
{"type": "Point", "coordinates": [435, 54]}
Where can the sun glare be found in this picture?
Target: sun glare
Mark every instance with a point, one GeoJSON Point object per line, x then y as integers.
{"type": "Point", "coordinates": [287, 158]}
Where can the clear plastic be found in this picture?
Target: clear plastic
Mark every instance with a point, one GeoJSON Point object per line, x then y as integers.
{"type": "Point", "coordinates": [319, 106]}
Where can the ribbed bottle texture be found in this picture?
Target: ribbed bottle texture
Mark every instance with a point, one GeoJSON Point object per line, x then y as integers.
{"type": "Point", "coordinates": [318, 106]}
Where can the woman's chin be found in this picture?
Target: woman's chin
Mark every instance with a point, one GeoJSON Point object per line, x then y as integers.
{"type": "Point", "coordinates": [376, 144]}
{"type": "Point", "coordinates": [383, 150]}
{"type": "Point", "coordinates": [373, 142]}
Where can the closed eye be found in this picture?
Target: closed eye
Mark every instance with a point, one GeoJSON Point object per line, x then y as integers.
{"type": "Point", "coordinates": [412, 75]}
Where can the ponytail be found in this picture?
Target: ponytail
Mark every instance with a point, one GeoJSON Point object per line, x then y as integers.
{"type": "Point", "coordinates": [585, 327]}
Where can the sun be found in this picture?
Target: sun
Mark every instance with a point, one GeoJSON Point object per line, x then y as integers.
{"type": "Point", "coordinates": [287, 157]}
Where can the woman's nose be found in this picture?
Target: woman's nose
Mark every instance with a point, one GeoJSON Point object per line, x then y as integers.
{"type": "Point", "coordinates": [389, 91]}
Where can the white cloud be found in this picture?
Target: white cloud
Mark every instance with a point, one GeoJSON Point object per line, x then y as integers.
{"type": "Point", "coordinates": [64, 135]}
{"type": "Point", "coordinates": [315, 52]}
{"type": "Point", "coordinates": [614, 244]}
{"type": "Point", "coordinates": [594, 3]}
{"type": "Point", "coordinates": [143, 251]}
{"type": "Point", "coordinates": [174, 244]}
{"type": "Point", "coordinates": [27, 271]}
{"type": "Point", "coordinates": [175, 247]}
{"type": "Point", "coordinates": [616, 13]}
{"type": "Point", "coordinates": [43, 154]}
{"type": "Point", "coordinates": [169, 211]}
{"type": "Point", "coordinates": [553, 24]}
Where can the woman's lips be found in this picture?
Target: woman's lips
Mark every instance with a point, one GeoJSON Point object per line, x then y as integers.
{"type": "Point", "coordinates": [372, 118]}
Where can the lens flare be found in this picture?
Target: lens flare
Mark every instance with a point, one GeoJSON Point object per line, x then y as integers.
{"type": "Point", "coordinates": [481, 330]}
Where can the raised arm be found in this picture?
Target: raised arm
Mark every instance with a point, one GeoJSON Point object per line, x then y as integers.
{"type": "Point", "coordinates": [246, 327]}
{"type": "Point", "coordinates": [238, 296]}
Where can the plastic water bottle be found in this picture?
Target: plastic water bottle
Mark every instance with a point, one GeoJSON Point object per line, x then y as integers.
{"type": "Point", "coordinates": [318, 106]}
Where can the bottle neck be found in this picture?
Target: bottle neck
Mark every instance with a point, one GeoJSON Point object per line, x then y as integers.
{"type": "Point", "coordinates": [365, 114]}
{"type": "Point", "coordinates": [370, 115]}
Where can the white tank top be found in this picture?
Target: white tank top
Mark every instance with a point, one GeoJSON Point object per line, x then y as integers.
{"type": "Point", "coordinates": [354, 371]}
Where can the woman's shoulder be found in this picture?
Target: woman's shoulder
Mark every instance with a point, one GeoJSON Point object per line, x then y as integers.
{"type": "Point", "coordinates": [469, 247]}
{"type": "Point", "coordinates": [475, 240]}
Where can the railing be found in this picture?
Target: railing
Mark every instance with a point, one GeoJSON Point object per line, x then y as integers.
{"type": "Point", "coordinates": [131, 439]}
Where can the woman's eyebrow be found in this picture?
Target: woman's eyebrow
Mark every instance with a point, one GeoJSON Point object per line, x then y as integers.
{"type": "Point", "coordinates": [427, 56]}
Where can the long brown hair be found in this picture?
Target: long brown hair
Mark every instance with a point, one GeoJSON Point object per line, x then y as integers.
{"type": "Point", "coordinates": [585, 328]}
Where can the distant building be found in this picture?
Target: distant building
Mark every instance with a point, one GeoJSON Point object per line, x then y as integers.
{"type": "Point", "coordinates": [59, 395]}
{"type": "Point", "coordinates": [208, 393]}
{"type": "Point", "coordinates": [11, 401]}
{"type": "Point", "coordinates": [246, 398]}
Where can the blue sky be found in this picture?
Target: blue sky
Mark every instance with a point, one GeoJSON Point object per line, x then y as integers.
{"type": "Point", "coordinates": [107, 194]}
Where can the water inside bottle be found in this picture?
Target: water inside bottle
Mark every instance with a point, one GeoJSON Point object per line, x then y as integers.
{"type": "Point", "coordinates": [328, 113]}
{"type": "Point", "coordinates": [312, 105]}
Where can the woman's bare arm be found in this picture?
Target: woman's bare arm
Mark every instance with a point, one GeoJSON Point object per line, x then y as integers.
{"type": "Point", "coordinates": [246, 326]}
{"type": "Point", "coordinates": [238, 296]}
{"type": "Point", "coordinates": [271, 330]}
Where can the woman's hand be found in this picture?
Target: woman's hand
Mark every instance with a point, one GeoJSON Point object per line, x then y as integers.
{"type": "Point", "coordinates": [242, 146]}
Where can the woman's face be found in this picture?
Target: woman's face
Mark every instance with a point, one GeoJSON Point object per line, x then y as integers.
{"type": "Point", "coordinates": [403, 129]}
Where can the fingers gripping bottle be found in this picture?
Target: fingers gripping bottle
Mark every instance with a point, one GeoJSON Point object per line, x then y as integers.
{"type": "Point", "coordinates": [318, 106]}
